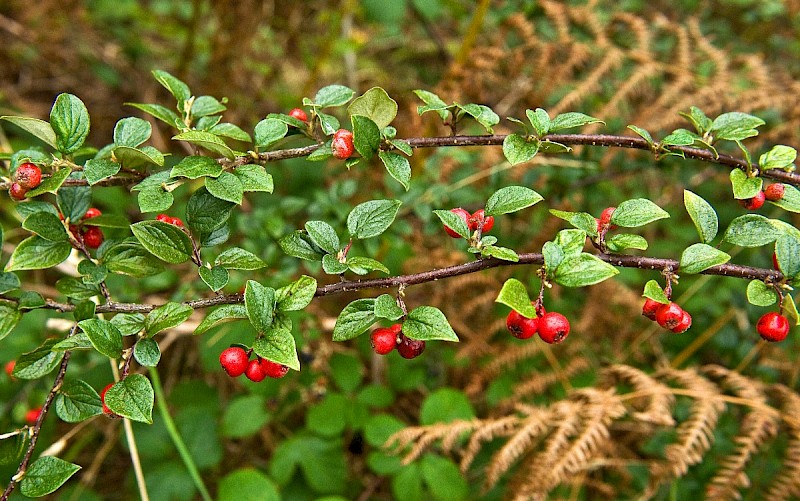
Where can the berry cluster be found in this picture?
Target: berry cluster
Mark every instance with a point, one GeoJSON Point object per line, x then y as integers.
{"type": "Point", "coordinates": [385, 339]}
{"type": "Point", "coordinates": [773, 193]}
{"type": "Point", "coordinates": [477, 219]}
{"type": "Point", "coordinates": [669, 316]}
{"type": "Point", "coordinates": [91, 236]}
{"type": "Point", "coordinates": [342, 144]}
{"type": "Point", "coordinates": [773, 327]}
{"type": "Point", "coordinates": [27, 177]}
{"type": "Point", "coordinates": [552, 327]}
{"type": "Point", "coordinates": [176, 221]}
{"type": "Point", "coordinates": [236, 361]}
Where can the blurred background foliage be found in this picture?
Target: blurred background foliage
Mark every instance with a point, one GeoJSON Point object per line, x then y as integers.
{"type": "Point", "coordinates": [319, 433]}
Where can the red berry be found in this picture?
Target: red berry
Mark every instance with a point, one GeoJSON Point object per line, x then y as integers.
{"type": "Point", "coordinates": [164, 218]}
{"type": "Point", "coordinates": [272, 369]}
{"type": "Point", "coordinates": [478, 218]}
{"type": "Point", "coordinates": [396, 328]}
{"type": "Point", "coordinates": [521, 327]}
{"type": "Point", "coordinates": [410, 348]}
{"type": "Point", "coordinates": [458, 211]}
{"type": "Point", "coordinates": [383, 340]}
{"type": "Point", "coordinates": [773, 327]}
{"type": "Point", "coordinates": [106, 410]}
{"type": "Point", "coordinates": [17, 192]}
{"type": "Point", "coordinates": [255, 371]}
{"type": "Point", "coordinates": [774, 192]}
{"type": "Point", "coordinates": [649, 308]}
{"type": "Point", "coordinates": [754, 203]}
{"type": "Point", "coordinates": [28, 175]}
{"type": "Point", "coordinates": [605, 218]}
{"type": "Point", "coordinates": [299, 114]}
{"type": "Point", "coordinates": [33, 415]}
{"type": "Point", "coordinates": [234, 361]}
{"type": "Point", "coordinates": [92, 212]}
{"type": "Point", "coordinates": [775, 262]}
{"type": "Point", "coordinates": [669, 315]}
{"type": "Point", "coordinates": [342, 144]}
{"type": "Point", "coordinates": [177, 222]}
{"type": "Point", "coordinates": [9, 368]}
{"type": "Point", "coordinates": [684, 323]}
{"type": "Point", "coordinates": [553, 327]}
{"type": "Point", "coordinates": [93, 237]}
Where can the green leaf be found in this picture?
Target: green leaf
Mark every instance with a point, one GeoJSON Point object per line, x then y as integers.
{"type": "Point", "coordinates": [9, 318]}
{"type": "Point", "coordinates": [84, 310]}
{"type": "Point", "coordinates": [354, 319]}
{"type": "Point", "coordinates": [129, 257]}
{"type": "Point", "coordinates": [571, 242]}
{"type": "Point", "coordinates": [432, 103]}
{"type": "Point", "coordinates": [176, 87]}
{"type": "Point", "coordinates": [260, 304]}
{"type": "Point", "coordinates": [206, 140]}
{"type": "Point", "coordinates": [38, 128]}
{"type": "Point", "coordinates": [386, 307]}
{"type": "Point", "coordinates": [366, 136]}
{"type": "Point", "coordinates": [760, 294]}
{"type": "Point", "coordinates": [511, 199]}
{"type": "Point", "coordinates": [215, 278]}
{"type": "Point", "coordinates": [333, 95]}
{"type": "Point", "coordinates": [50, 184]}
{"type": "Point", "coordinates": [223, 313]}
{"type": "Point", "coordinates": [206, 105]}
{"type": "Point", "coordinates": [76, 289]}
{"type": "Point", "coordinates": [269, 131]}
{"type": "Point", "coordinates": [231, 131]}
{"type": "Point", "coordinates": [790, 200]}
{"type": "Point", "coordinates": [751, 230]}
{"type": "Point", "coordinates": [74, 201]}
{"type": "Point", "coordinates": [254, 178]}
{"type": "Point", "coordinates": [583, 270]}
{"type": "Point", "coordinates": [323, 235]}
{"type": "Point", "coordinates": [146, 352]}
{"type": "Point", "coordinates": [643, 134]}
{"type": "Point", "coordinates": [428, 323]}
{"type": "Point", "coordinates": [132, 398]}
{"type": "Point", "coordinates": [235, 258]}
{"type": "Point", "coordinates": [503, 253]}
{"type": "Point", "coordinates": [654, 291]}
{"type": "Point", "coordinates": [98, 169]}
{"type": "Point", "coordinates": [514, 294]}
{"type": "Point", "coordinates": [45, 475]}
{"type": "Point", "coordinates": [743, 186]}
{"type": "Point", "coordinates": [297, 295]}
{"type": "Point", "coordinates": [39, 362]}
{"type": "Point", "coordinates": [779, 157]}
{"type": "Point", "coordinates": [46, 225]}
{"type": "Point", "coordinates": [154, 200]}
{"type": "Point", "coordinates": [70, 121]}
{"type": "Point", "coordinates": [553, 256]}
{"type": "Point", "coordinates": [332, 266]}
{"type": "Point", "coordinates": [787, 252]}
{"type": "Point", "coordinates": [735, 126]}
{"type": "Point", "coordinates": [36, 253]}
{"type": "Point", "coordinates": [128, 323]}
{"type": "Point", "coordinates": [226, 187]}
{"type": "Point", "coordinates": [699, 257]}
{"type": "Point", "coordinates": [622, 241]}
{"type": "Point", "coordinates": [247, 483]}
{"type": "Point", "coordinates": [402, 146]}
{"type": "Point", "coordinates": [453, 221]}
{"type": "Point", "coordinates": [194, 167]}
{"type": "Point", "coordinates": [376, 105]}
{"type": "Point", "coordinates": [8, 282]}
{"type": "Point", "coordinates": [104, 336]}
{"type": "Point", "coordinates": [699, 119]}
{"type": "Point", "coordinates": [572, 119]}
{"type": "Point", "coordinates": [138, 157]}
{"type": "Point", "coordinates": [160, 112]}
{"type": "Point", "coordinates": [77, 401]}
{"type": "Point", "coordinates": [324, 152]}
{"type": "Point", "coordinates": [278, 346]}
{"type": "Point", "coordinates": [205, 212]}
{"type": "Point", "coordinates": [637, 212]}
{"type": "Point", "coordinates": [397, 166]}
{"type": "Point", "coordinates": [370, 219]}
{"type": "Point", "coordinates": [679, 137]}
{"type": "Point", "coordinates": [165, 241]}
{"type": "Point", "coordinates": [298, 244]}
{"type": "Point", "coordinates": [518, 149]}
{"type": "Point", "coordinates": [363, 265]}
{"type": "Point", "coordinates": [444, 479]}
{"type": "Point", "coordinates": [540, 121]}
{"type": "Point", "coordinates": [703, 215]}
{"type": "Point", "coordinates": [789, 310]}
{"type": "Point", "coordinates": [132, 132]}
{"type": "Point", "coordinates": [581, 220]}
{"type": "Point", "coordinates": [328, 123]}
{"type": "Point", "coordinates": [166, 317]}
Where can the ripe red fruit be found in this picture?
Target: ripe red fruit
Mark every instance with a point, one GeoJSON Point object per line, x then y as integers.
{"type": "Point", "coordinates": [410, 348]}
{"type": "Point", "coordinates": [773, 327]}
{"type": "Point", "coordinates": [458, 211]}
{"type": "Point", "coordinates": [383, 340]}
{"type": "Point", "coordinates": [93, 237]}
{"type": "Point", "coordinates": [669, 315]}
{"type": "Point", "coordinates": [521, 327]}
{"type": "Point", "coordinates": [605, 218]}
{"type": "Point", "coordinates": [754, 203]}
{"type": "Point", "coordinates": [272, 369]}
{"type": "Point", "coordinates": [17, 192]}
{"type": "Point", "coordinates": [396, 328]}
{"type": "Point", "coordinates": [33, 415]}
{"type": "Point", "coordinates": [774, 192]}
{"type": "Point", "coordinates": [684, 323]}
{"type": "Point", "coordinates": [234, 361]}
{"type": "Point", "coordinates": [28, 175]}
{"type": "Point", "coordinates": [649, 308]}
{"type": "Point", "coordinates": [479, 219]}
{"type": "Point", "coordinates": [342, 144]}
{"type": "Point", "coordinates": [92, 212]}
{"type": "Point", "coordinates": [553, 327]}
{"type": "Point", "coordinates": [9, 368]}
{"type": "Point", "coordinates": [106, 410]}
{"type": "Point", "coordinates": [177, 222]}
{"type": "Point", "coordinates": [164, 218]}
{"type": "Point", "coordinates": [299, 114]}
{"type": "Point", "coordinates": [255, 372]}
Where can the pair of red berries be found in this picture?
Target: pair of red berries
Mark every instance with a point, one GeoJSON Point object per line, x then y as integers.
{"type": "Point", "coordinates": [92, 236]}
{"type": "Point", "coordinates": [236, 361]}
{"type": "Point", "coordinates": [773, 193]}
{"type": "Point", "coordinates": [176, 221]}
{"type": "Point", "coordinates": [552, 327]}
{"type": "Point", "coordinates": [386, 339]}
{"type": "Point", "coordinates": [669, 316]}
{"type": "Point", "coordinates": [27, 177]}
{"type": "Point", "coordinates": [477, 219]}
{"type": "Point", "coordinates": [773, 327]}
